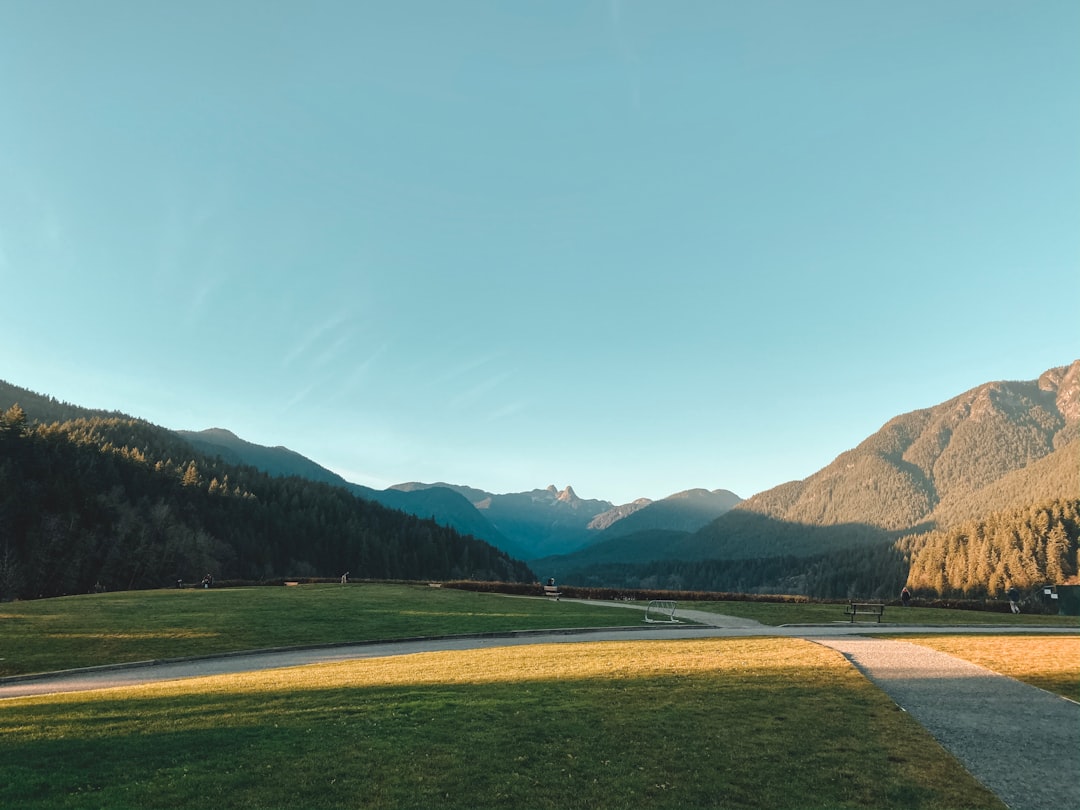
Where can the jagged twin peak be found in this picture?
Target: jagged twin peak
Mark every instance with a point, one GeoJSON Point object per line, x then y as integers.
{"type": "Point", "coordinates": [566, 496]}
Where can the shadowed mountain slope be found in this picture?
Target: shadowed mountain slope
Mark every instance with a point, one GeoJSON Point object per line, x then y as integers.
{"type": "Point", "coordinates": [962, 457]}
{"type": "Point", "coordinates": [441, 504]}
{"type": "Point", "coordinates": [997, 447]}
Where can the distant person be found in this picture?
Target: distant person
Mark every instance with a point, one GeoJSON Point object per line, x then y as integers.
{"type": "Point", "coordinates": [345, 578]}
{"type": "Point", "coordinates": [905, 596]}
{"type": "Point", "coordinates": [551, 581]}
{"type": "Point", "coordinates": [1014, 599]}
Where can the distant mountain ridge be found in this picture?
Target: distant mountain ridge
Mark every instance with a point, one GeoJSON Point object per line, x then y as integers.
{"type": "Point", "coordinates": [685, 511]}
{"type": "Point", "coordinates": [553, 522]}
{"type": "Point", "coordinates": [280, 461]}
{"type": "Point", "coordinates": [445, 505]}
{"type": "Point", "coordinates": [527, 525]}
{"type": "Point", "coordinates": [923, 460]}
{"type": "Point", "coordinates": [94, 502]}
{"type": "Point", "coordinates": [542, 521]}
{"type": "Point", "coordinates": [999, 446]}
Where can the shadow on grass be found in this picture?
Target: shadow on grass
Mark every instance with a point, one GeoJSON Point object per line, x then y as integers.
{"type": "Point", "coordinates": [753, 739]}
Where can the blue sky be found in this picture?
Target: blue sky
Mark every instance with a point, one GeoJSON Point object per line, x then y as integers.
{"type": "Point", "coordinates": [636, 247]}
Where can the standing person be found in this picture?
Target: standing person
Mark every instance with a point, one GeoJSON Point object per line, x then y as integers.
{"type": "Point", "coordinates": [1014, 599]}
{"type": "Point", "coordinates": [905, 596]}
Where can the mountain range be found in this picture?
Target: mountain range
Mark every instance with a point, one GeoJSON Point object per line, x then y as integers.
{"type": "Point", "coordinates": [526, 525]}
{"type": "Point", "coordinates": [1000, 446]}
{"type": "Point", "coordinates": [995, 447]}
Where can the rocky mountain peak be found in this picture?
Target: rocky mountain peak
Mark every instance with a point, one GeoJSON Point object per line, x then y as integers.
{"type": "Point", "coordinates": [1064, 383]}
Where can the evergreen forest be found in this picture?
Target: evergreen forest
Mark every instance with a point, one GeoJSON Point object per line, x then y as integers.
{"type": "Point", "coordinates": [961, 500]}
{"type": "Point", "coordinates": [107, 502]}
{"type": "Point", "coordinates": [1026, 547]}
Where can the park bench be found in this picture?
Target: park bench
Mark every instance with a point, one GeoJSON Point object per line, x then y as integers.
{"type": "Point", "coordinates": [864, 609]}
{"type": "Point", "coordinates": [553, 591]}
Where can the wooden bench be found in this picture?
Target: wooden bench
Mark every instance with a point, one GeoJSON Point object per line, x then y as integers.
{"type": "Point", "coordinates": [553, 591]}
{"type": "Point", "coordinates": [864, 609]}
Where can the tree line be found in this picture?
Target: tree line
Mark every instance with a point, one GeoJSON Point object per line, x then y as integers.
{"type": "Point", "coordinates": [875, 571]}
{"type": "Point", "coordinates": [109, 502]}
{"type": "Point", "coordinates": [1023, 547]}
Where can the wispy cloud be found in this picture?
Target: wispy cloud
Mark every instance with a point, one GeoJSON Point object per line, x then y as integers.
{"type": "Point", "coordinates": [358, 372]}
{"type": "Point", "coordinates": [191, 254]}
{"type": "Point", "coordinates": [315, 335]}
{"type": "Point", "coordinates": [465, 367]}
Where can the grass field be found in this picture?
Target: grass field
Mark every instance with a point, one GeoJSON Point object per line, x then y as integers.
{"type": "Point", "coordinates": [732, 723]}
{"type": "Point", "coordinates": [52, 634]}
{"type": "Point", "coordinates": [1048, 662]}
{"type": "Point", "coordinates": [777, 613]}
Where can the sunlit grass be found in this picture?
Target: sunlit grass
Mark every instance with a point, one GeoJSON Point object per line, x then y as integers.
{"type": "Point", "coordinates": [735, 723]}
{"type": "Point", "coordinates": [1049, 662]}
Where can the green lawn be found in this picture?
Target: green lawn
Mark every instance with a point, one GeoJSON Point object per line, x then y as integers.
{"type": "Point", "coordinates": [779, 613]}
{"type": "Point", "coordinates": [709, 723]}
{"type": "Point", "coordinates": [52, 634]}
{"type": "Point", "coordinates": [733, 723]}
{"type": "Point", "coordinates": [1048, 662]}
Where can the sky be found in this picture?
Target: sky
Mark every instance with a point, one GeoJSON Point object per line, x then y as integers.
{"type": "Point", "coordinates": [632, 247]}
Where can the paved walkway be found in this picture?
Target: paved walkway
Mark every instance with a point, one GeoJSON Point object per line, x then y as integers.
{"type": "Point", "coordinates": [1021, 742]}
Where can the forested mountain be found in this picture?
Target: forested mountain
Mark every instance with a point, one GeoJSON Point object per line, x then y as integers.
{"type": "Point", "coordinates": [277, 461]}
{"type": "Point", "coordinates": [112, 502]}
{"type": "Point", "coordinates": [998, 448]}
{"type": "Point", "coordinates": [956, 499]}
{"type": "Point", "coordinates": [997, 445]}
{"type": "Point", "coordinates": [41, 408]}
{"type": "Point", "coordinates": [546, 522]}
{"type": "Point", "coordinates": [529, 524]}
{"type": "Point", "coordinates": [651, 530]}
{"type": "Point", "coordinates": [896, 478]}
{"type": "Point", "coordinates": [441, 504]}
{"type": "Point", "coordinates": [616, 513]}
{"type": "Point", "coordinates": [682, 512]}
{"type": "Point", "coordinates": [541, 521]}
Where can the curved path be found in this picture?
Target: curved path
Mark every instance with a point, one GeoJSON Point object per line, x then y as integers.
{"type": "Point", "coordinates": [1021, 742]}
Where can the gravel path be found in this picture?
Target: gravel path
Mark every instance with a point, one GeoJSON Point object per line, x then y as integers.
{"type": "Point", "coordinates": [1021, 742]}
